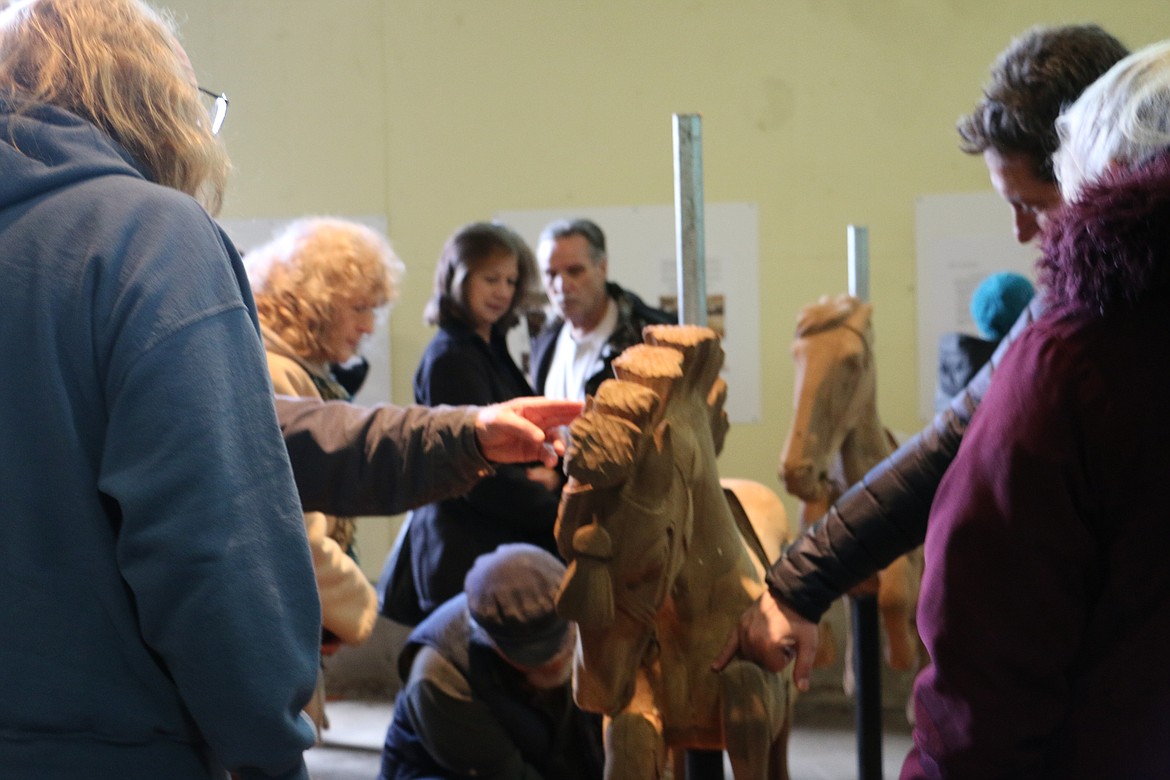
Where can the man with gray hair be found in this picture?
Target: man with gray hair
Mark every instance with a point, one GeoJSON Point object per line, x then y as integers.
{"type": "Point", "coordinates": [596, 319]}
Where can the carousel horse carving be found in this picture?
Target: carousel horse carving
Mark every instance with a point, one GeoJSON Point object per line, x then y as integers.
{"type": "Point", "coordinates": [659, 570]}
{"type": "Point", "coordinates": [836, 437]}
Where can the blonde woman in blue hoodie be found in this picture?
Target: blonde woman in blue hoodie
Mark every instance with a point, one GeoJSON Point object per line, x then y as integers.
{"type": "Point", "coordinates": [156, 592]}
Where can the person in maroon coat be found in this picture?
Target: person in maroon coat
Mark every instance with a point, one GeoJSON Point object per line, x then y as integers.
{"type": "Point", "coordinates": [885, 514]}
{"type": "Point", "coordinates": [1046, 598]}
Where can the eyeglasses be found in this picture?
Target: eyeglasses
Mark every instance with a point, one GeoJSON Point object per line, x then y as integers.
{"type": "Point", "coordinates": [216, 111]}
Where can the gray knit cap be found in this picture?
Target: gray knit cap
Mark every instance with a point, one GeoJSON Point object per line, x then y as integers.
{"type": "Point", "coordinates": [511, 595]}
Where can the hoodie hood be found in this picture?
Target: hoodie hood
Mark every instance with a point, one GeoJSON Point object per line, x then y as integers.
{"type": "Point", "coordinates": [44, 149]}
{"type": "Point", "coordinates": [1111, 248]}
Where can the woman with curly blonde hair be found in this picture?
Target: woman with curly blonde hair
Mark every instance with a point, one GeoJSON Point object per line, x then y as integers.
{"type": "Point", "coordinates": [318, 284]}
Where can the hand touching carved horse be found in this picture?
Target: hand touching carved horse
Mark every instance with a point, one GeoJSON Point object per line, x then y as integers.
{"type": "Point", "coordinates": [837, 436]}
{"type": "Point", "coordinates": [658, 571]}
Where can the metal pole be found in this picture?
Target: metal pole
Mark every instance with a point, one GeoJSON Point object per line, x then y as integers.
{"type": "Point", "coordinates": [690, 254]}
{"type": "Point", "coordinates": [858, 238]}
{"type": "Point", "coordinates": [867, 673]}
{"type": "Point", "coordinates": [864, 611]}
{"type": "Point", "coordinates": [690, 238]}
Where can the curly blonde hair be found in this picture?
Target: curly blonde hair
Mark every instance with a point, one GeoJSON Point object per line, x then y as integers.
{"type": "Point", "coordinates": [119, 65]}
{"type": "Point", "coordinates": [312, 266]}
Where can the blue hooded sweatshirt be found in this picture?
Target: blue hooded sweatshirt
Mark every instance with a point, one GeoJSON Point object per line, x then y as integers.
{"type": "Point", "coordinates": [158, 610]}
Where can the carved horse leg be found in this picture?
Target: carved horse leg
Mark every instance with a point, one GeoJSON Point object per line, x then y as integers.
{"type": "Point", "coordinates": [896, 599]}
{"type": "Point", "coordinates": [634, 746]}
{"type": "Point", "coordinates": [633, 749]}
{"type": "Point", "coordinates": [810, 512]}
{"type": "Point", "coordinates": [751, 718]}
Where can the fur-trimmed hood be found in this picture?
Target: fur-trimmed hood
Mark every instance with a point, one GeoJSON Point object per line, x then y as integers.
{"type": "Point", "coordinates": [1111, 248]}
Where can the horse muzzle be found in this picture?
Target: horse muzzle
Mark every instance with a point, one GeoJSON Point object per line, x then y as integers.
{"type": "Point", "coordinates": [805, 481]}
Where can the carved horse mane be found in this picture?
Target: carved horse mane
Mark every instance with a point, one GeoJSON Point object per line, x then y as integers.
{"type": "Point", "coordinates": [658, 571]}
{"type": "Point", "coordinates": [826, 314]}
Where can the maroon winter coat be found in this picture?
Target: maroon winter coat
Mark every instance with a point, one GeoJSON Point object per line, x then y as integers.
{"type": "Point", "coordinates": [1046, 599]}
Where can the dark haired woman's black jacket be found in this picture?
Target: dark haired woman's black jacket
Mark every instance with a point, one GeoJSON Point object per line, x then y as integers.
{"type": "Point", "coordinates": [444, 538]}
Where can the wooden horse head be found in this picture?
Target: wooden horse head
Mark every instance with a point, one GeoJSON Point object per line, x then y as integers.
{"type": "Point", "coordinates": [835, 434]}
{"type": "Point", "coordinates": [621, 465]}
{"type": "Point", "coordinates": [659, 573]}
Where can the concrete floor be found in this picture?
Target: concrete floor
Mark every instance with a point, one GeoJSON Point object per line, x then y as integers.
{"type": "Point", "coordinates": [823, 744]}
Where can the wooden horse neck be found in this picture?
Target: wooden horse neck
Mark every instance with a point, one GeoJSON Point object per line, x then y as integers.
{"type": "Point", "coordinates": [863, 448]}
{"type": "Point", "coordinates": [868, 442]}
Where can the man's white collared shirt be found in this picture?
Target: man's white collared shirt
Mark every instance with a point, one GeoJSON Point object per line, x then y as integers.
{"type": "Point", "coordinates": [576, 359]}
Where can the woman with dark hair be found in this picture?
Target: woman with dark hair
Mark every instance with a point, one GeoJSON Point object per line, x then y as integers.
{"type": "Point", "coordinates": [484, 274]}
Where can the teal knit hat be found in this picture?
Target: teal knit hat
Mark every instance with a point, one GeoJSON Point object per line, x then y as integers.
{"type": "Point", "coordinates": [998, 301]}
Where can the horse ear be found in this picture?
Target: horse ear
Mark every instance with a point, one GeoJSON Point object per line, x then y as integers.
{"type": "Point", "coordinates": [862, 315]}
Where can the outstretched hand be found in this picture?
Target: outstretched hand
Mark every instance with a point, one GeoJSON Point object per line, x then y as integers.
{"type": "Point", "coordinates": [524, 429]}
{"type": "Point", "coordinates": [771, 634]}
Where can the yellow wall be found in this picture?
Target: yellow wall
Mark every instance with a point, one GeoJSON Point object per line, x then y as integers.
{"type": "Point", "coordinates": [438, 112]}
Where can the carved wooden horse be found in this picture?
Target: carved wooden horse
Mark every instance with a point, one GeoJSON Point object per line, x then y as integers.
{"type": "Point", "coordinates": [837, 436]}
{"type": "Point", "coordinates": [658, 571]}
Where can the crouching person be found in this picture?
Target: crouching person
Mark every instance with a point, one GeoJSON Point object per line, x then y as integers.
{"type": "Point", "coordinates": [487, 688]}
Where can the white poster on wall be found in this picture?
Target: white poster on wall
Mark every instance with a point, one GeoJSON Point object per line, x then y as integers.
{"type": "Point", "coordinates": [961, 238]}
{"type": "Point", "coordinates": [640, 241]}
{"type": "Point", "coordinates": [250, 233]}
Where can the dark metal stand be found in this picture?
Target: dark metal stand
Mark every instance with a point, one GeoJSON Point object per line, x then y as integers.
{"type": "Point", "coordinates": [867, 686]}
{"type": "Point", "coordinates": [704, 765]}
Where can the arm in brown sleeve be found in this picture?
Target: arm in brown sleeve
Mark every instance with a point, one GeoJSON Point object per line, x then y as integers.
{"type": "Point", "coordinates": [351, 460]}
